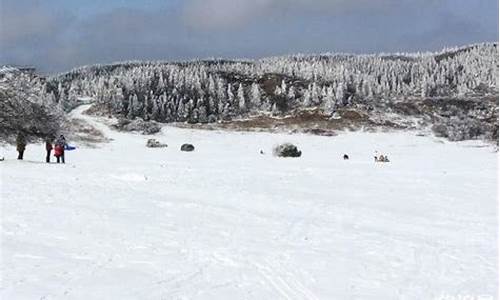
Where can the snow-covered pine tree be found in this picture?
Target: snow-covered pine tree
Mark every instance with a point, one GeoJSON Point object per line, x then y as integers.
{"type": "Point", "coordinates": [242, 105]}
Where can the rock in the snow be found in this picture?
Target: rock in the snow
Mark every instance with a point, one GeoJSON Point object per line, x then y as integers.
{"type": "Point", "coordinates": [287, 150]}
{"type": "Point", "coordinates": [153, 143]}
{"type": "Point", "coordinates": [145, 127]}
{"type": "Point", "coordinates": [187, 148]}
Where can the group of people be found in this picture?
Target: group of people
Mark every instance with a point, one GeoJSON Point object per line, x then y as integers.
{"type": "Point", "coordinates": [59, 147]}
{"type": "Point", "coordinates": [378, 158]}
{"type": "Point", "coordinates": [381, 158]}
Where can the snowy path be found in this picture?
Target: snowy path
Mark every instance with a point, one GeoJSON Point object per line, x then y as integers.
{"type": "Point", "coordinates": [224, 222]}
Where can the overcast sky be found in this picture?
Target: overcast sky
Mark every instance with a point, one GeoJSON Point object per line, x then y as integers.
{"type": "Point", "coordinates": [56, 35]}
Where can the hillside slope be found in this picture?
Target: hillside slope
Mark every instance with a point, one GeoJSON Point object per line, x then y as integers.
{"type": "Point", "coordinates": [224, 222]}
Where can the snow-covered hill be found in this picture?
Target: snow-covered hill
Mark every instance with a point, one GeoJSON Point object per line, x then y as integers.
{"type": "Point", "coordinates": [453, 92]}
{"type": "Point", "coordinates": [126, 222]}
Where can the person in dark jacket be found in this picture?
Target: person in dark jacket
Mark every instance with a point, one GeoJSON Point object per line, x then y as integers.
{"type": "Point", "coordinates": [59, 148]}
{"type": "Point", "coordinates": [48, 148]}
{"type": "Point", "coordinates": [21, 145]}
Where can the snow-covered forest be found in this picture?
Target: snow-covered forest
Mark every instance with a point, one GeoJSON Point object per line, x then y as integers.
{"type": "Point", "coordinates": [206, 91]}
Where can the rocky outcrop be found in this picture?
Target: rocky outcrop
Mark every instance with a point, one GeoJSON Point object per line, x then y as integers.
{"type": "Point", "coordinates": [153, 143]}
{"type": "Point", "coordinates": [187, 148]}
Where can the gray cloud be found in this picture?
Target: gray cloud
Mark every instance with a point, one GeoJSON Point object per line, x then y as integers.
{"type": "Point", "coordinates": [22, 23]}
{"type": "Point", "coordinates": [29, 31]}
{"type": "Point", "coordinates": [54, 38]}
{"type": "Point", "coordinates": [221, 13]}
{"type": "Point", "coordinates": [231, 14]}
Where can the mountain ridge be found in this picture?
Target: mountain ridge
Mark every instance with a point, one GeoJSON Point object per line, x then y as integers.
{"type": "Point", "coordinates": [399, 90]}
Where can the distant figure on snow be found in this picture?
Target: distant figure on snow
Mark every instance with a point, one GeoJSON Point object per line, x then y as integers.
{"type": "Point", "coordinates": [262, 152]}
{"type": "Point", "coordinates": [21, 145]}
{"type": "Point", "coordinates": [48, 148]}
{"type": "Point", "coordinates": [59, 149]}
{"type": "Point", "coordinates": [381, 158]}
{"type": "Point", "coordinates": [346, 157]}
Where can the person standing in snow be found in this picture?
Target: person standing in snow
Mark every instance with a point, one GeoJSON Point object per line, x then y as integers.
{"type": "Point", "coordinates": [48, 148]}
{"type": "Point", "coordinates": [21, 145]}
{"type": "Point", "coordinates": [59, 149]}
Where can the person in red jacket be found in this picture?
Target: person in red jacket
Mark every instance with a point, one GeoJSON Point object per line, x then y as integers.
{"type": "Point", "coordinates": [48, 148]}
{"type": "Point", "coordinates": [59, 152]}
{"type": "Point", "coordinates": [59, 148]}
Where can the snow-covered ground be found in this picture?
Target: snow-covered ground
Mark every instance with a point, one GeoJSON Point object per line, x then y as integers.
{"type": "Point", "coordinates": [126, 222]}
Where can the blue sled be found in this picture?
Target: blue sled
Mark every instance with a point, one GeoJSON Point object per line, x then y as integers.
{"type": "Point", "coordinates": [69, 148]}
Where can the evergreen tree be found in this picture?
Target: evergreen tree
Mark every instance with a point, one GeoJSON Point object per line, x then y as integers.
{"type": "Point", "coordinates": [241, 99]}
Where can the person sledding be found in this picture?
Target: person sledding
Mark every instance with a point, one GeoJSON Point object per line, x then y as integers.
{"type": "Point", "coordinates": [381, 157]}
{"type": "Point", "coordinates": [59, 149]}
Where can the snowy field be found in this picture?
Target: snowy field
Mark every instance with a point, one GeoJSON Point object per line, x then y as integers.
{"type": "Point", "coordinates": [126, 222]}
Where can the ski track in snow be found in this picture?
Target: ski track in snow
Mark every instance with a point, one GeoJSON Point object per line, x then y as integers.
{"type": "Point", "coordinates": [126, 222]}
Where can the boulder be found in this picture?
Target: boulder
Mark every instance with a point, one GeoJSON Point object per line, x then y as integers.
{"type": "Point", "coordinates": [187, 148]}
{"type": "Point", "coordinates": [287, 150]}
{"type": "Point", "coordinates": [153, 143]}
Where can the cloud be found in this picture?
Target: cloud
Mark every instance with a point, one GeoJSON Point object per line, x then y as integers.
{"type": "Point", "coordinates": [22, 21]}
{"type": "Point", "coordinates": [132, 34]}
{"type": "Point", "coordinates": [29, 31]}
{"type": "Point", "coordinates": [221, 13]}
{"type": "Point", "coordinates": [232, 14]}
{"type": "Point", "coordinates": [55, 35]}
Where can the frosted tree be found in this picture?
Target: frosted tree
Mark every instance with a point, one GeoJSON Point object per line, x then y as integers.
{"type": "Point", "coordinates": [339, 93]}
{"type": "Point", "coordinates": [117, 101]}
{"type": "Point", "coordinates": [291, 93]}
{"type": "Point", "coordinates": [22, 109]}
{"type": "Point", "coordinates": [230, 95]}
{"type": "Point", "coordinates": [181, 112]}
{"type": "Point", "coordinates": [202, 112]}
{"type": "Point", "coordinates": [306, 98]}
{"type": "Point", "coordinates": [255, 97]}
{"type": "Point", "coordinates": [283, 87]}
{"type": "Point", "coordinates": [329, 101]}
{"type": "Point", "coordinates": [241, 98]}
